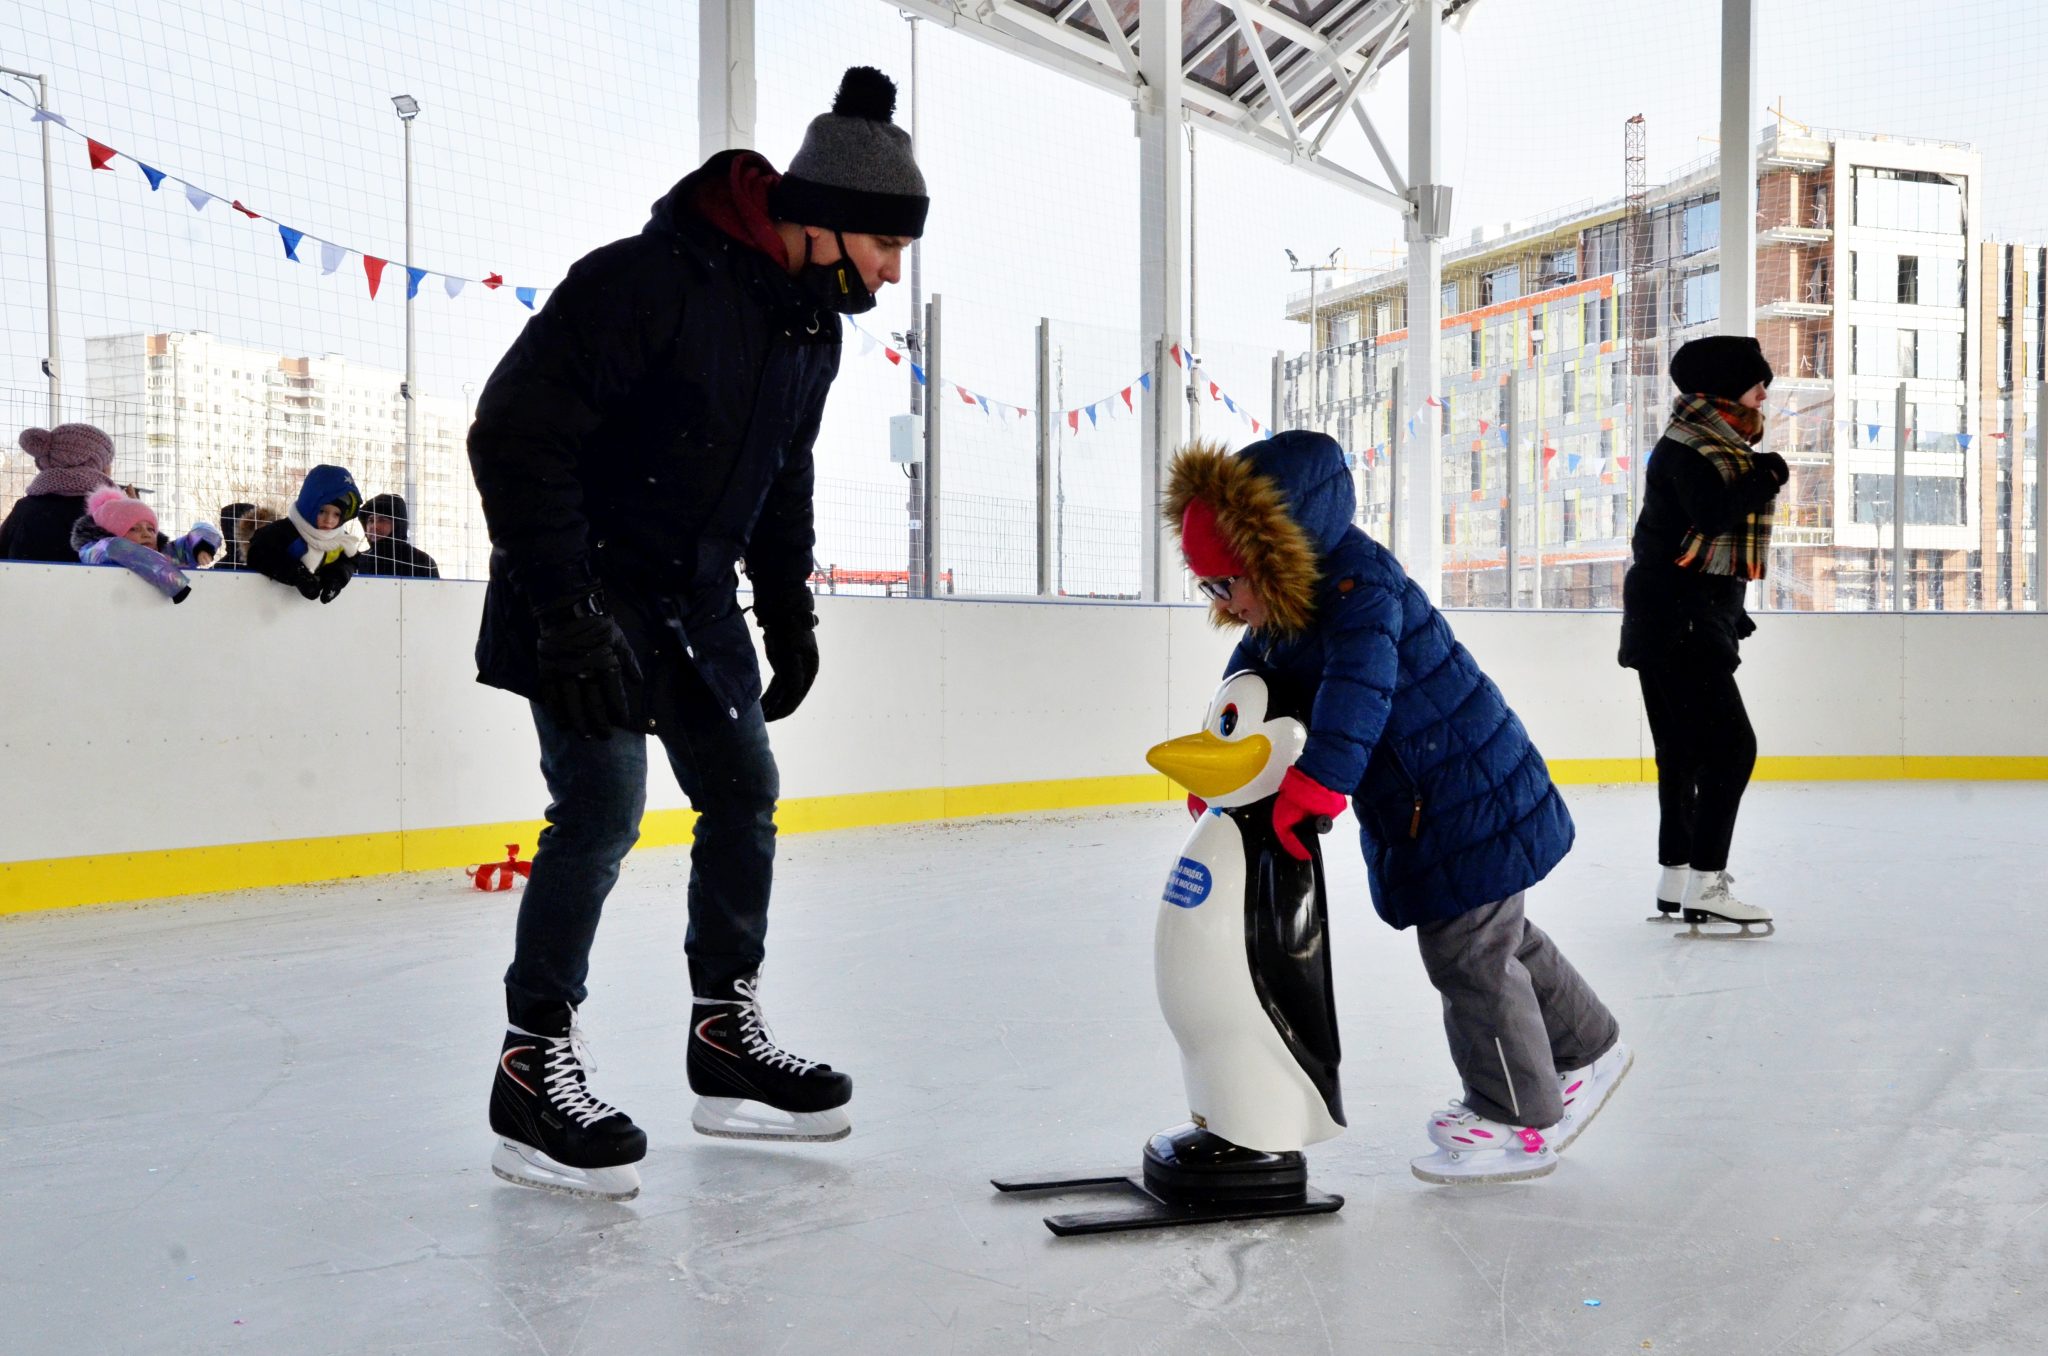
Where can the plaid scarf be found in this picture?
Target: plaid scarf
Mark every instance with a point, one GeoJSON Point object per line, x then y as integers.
{"type": "Point", "coordinates": [1723, 432]}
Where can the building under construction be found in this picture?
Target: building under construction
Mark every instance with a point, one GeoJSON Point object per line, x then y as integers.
{"type": "Point", "coordinates": [1557, 334]}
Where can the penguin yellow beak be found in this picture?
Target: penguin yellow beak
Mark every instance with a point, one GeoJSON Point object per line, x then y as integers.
{"type": "Point", "coordinates": [1209, 766]}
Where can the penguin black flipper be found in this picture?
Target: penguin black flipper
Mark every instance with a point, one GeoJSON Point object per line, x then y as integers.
{"type": "Point", "coordinates": [1287, 949]}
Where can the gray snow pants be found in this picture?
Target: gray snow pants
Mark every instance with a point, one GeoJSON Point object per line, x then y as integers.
{"type": "Point", "coordinates": [1516, 1012]}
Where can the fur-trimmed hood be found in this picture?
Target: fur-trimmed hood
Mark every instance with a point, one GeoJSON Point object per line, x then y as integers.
{"type": "Point", "coordinates": [1282, 504]}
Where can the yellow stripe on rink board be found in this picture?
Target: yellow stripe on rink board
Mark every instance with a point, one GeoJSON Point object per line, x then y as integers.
{"type": "Point", "coordinates": [107, 878]}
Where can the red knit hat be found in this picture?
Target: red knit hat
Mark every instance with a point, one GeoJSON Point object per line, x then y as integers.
{"type": "Point", "coordinates": [1202, 543]}
{"type": "Point", "coordinates": [115, 512]}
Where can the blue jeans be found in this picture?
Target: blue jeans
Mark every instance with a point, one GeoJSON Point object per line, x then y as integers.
{"type": "Point", "coordinates": [598, 789]}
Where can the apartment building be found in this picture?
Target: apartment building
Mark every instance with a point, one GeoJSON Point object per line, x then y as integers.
{"type": "Point", "coordinates": [1557, 335]}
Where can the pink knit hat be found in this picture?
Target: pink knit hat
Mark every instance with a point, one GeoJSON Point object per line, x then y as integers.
{"type": "Point", "coordinates": [115, 512]}
{"type": "Point", "coordinates": [71, 458]}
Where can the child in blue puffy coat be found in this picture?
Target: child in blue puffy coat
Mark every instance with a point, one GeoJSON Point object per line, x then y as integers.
{"type": "Point", "coordinates": [1457, 814]}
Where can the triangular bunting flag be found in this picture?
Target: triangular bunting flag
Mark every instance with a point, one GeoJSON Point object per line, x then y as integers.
{"type": "Point", "coordinates": [331, 257]}
{"type": "Point", "coordinates": [965, 398]}
{"type": "Point", "coordinates": [1411, 428]}
{"type": "Point", "coordinates": [1963, 441]}
{"type": "Point", "coordinates": [1214, 393]}
{"type": "Point", "coordinates": [1549, 453]}
{"type": "Point", "coordinates": [1484, 428]}
{"type": "Point", "coordinates": [1571, 464]}
{"type": "Point", "coordinates": [1175, 351]}
{"type": "Point", "coordinates": [1074, 420]}
{"type": "Point", "coordinates": [253, 216]}
{"type": "Point", "coordinates": [1145, 380]}
{"type": "Point", "coordinates": [984, 403]}
{"type": "Point", "coordinates": [1503, 437]}
{"type": "Point", "coordinates": [1621, 462]}
{"type": "Point", "coordinates": [1998, 435]}
{"type": "Point", "coordinates": [198, 197]}
{"type": "Point", "coordinates": [453, 285]}
{"type": "Point", "coordinates": [291, 241]}
{"type": "Point", "coordinates": [893, 356]}
{"type": "Point", "coordinates": [494, 282]}
{"type": "Point", "coordinates": [1434, 403]}
{"type": "Point", "coordinates": [1091, 416]}
{"type": "Point", "coordinates": [412, 282]}
{"type": "Point", "coordinates": [1022, 413]}
{"type": "Point", "coordinates": [917, 374]}
{"type": "Point", "coordinates": [867, 343]}
{"type": "Point", "coordinates": [1126, 394]}
{"type": "Point", "coordinates": [373, 268]}
{"type": "Point", "coordinates": [1372, 456]}
{"type": "Point", "coordinates": [155, 176]}
{"type": "Point", "coordinates": [99, 153]}
{"type": "Point", "coordinates": [1873, 433]}
{"type": "Point", "coordinates": [45, 115]}
{"type": "Point", "coordinates": [1229, 404]}
{"type": "Point", "coordinates": [526, 295]}
{"type": "Point", "coordinates": [1255, 426]}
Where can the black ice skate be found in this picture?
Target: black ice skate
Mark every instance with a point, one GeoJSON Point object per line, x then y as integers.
{"type": "Point", "coordinates": [748, 1087]}
{"type": "Point", "coordinates": [551, 1132]}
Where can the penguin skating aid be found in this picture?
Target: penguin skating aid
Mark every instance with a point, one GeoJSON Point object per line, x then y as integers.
{"type": "Point", "coordinates": [1241, 959]}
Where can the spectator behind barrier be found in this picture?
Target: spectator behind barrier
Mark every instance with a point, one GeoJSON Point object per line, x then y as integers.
{"type": "Point", "coordinates": [119, 530]}
{"type": "Point", "coordinates": [387, 522]}
{"type": "Point", "coordinates": [232, 539]}
{"type": "Point", "coordinates": [72, 460]}
{"type": "Point", "coordinates": [312, 548]}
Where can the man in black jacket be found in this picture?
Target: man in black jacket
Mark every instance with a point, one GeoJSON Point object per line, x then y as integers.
{"type": "Point", "coordinates": [649, 432]}
{"type": "Point", "coordinates": [387, 524]}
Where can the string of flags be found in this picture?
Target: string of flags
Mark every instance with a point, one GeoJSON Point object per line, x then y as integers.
{"type": "Point", "coordinates": [1118, 404]}
{"type": "Point", "coordinates": [329, 256]}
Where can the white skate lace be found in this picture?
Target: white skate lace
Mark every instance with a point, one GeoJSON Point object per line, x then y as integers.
{"type": "Point", "coordinates": [568, 1070]}
{"type": "Point", "coordinates": [1718, 888]}
{"type": "Point", "coordinates": [755, 1036]}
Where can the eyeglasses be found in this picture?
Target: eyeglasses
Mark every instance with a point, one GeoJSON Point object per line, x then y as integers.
{"type": "Point", "coordinates": [1219, 589]}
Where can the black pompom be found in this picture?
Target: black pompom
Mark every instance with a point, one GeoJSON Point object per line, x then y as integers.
{"type": "Point", "coordinates": [865, 92]}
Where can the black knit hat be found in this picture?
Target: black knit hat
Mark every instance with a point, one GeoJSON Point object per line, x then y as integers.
{"type": "Point", "coordinates": [1724, 365]}
{"type": "Point", "coordinates": [854, 171]}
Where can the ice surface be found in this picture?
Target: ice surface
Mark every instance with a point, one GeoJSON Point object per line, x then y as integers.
{"type": "Point", "coordinates": [257, 1122]}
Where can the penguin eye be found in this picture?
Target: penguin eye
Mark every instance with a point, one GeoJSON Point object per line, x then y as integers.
{"type": "Point", "coordinates": [1227, 722]}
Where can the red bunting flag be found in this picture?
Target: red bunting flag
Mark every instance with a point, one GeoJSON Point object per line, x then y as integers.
{"type": "Point", "coordinates": [373, 266]}
{"type": "Point", "coordinates": [965, 397]}
{"type": "Point", "coordinates": [100, 153]}
{"type": "Point", "coordinates": [1435, 404]}
{"type": "Point", "coordinates": [494, 282]}
{"type": "Point", "coordinates": [253, 216]}
{"type": "Point", "coordinates": [1372, 456]}
{"type": "Point", "coordinates": [1023, 413]}
{"type": "Point", "coordinates": [893, 356]}
{"type": "Point", "coordinates": [1126, 394]}
{"type": "Point", "coordinates": [1214, 394]}
{"type": "Point", "coordinates": [1549, 452]}
{"type": "Point", "coordinates": [1175, 351]}
{"type": "Point", "coordinates": [1255, 426]}
{"type": "Point", "coordinates": [1622, 462]}
{"type": "Point", "coordinates": [1074, 420]}
{"type": "Point", "coordinates": [1484, 426]}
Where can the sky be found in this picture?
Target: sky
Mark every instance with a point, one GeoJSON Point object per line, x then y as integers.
{"type": "Point", "coordinates": [548, 129]}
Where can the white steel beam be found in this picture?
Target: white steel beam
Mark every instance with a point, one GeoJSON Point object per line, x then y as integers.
{"type": "Point", "coordinates": [1738, 167]}
{"type": "Point", "coordinates": [1239, 10]}
{"type": "Point", "coordinates": [725, 76]}
{"type": "Point", "coordinates": [1162, 290]}
{"type": "Point", "coordinates": [1421, 532]}
{"type": "Point", "coordinates": [1114, 35]}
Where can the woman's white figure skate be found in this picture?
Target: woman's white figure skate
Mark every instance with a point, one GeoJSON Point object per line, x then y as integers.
{"type": "Point", "coordinates": [1241, 958]}
{"type": "Point", "coordinates": [1708, 900]}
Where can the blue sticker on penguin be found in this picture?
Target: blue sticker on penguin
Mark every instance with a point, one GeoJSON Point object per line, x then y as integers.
{"type": "Point", "coordinates": [1188, 885]}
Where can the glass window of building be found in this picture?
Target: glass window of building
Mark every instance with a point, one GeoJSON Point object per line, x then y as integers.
{"type": "Point", "coordinates": [1449, 299]}
{"type": "Point", "coordinates": [1909, 354]}
{"type": "Point", "coordinates": [1502, 284]}
{"type": "Point", "coordinates": [1702, 226]}
{"type": "Point", "coordinates": [1909, 280]}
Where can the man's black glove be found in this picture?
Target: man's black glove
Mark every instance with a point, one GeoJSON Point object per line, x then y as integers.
{"type": "Point", "coordinates": [585, 666]}
{"type": "Point", "coordinates": [791, 640]}
{"type": "Point", "coordinates": [334, 577]}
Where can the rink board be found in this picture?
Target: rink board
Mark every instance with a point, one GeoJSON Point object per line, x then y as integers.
{"type": "Point", "coordinates": [248, 737]}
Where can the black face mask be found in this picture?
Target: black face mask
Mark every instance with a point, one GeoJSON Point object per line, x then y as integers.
{"type": "Point", "coordinates": [837, 287]}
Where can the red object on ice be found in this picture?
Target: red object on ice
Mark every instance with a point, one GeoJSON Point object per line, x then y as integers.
{"type": "Point", "coordinates": [500, 872]}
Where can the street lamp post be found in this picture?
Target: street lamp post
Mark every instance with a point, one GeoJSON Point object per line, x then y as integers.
{"type": "Point", "coordinates": [408, 109]}
{"type": "Point", "coordinates": [1296, 266]}
{"type": "Point", "coordinates": [42, 85]}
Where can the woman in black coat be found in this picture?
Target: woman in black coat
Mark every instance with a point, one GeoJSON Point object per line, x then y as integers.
{"type": "Point", "coordinates": [1703, 534]}
{"type": "Point", "coordinates": [72, 460]}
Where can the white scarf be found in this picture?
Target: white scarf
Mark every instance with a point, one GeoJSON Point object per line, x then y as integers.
{"type": "Point", "coordinates": [321, 542]}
